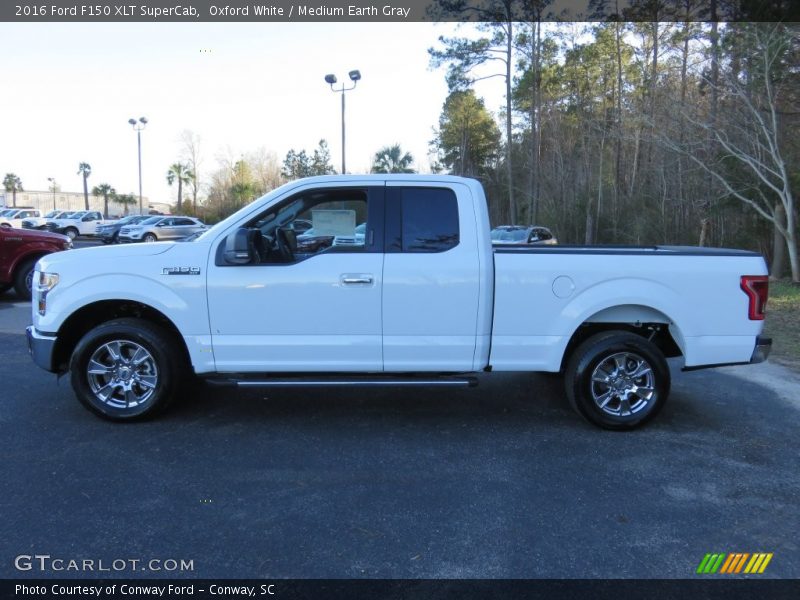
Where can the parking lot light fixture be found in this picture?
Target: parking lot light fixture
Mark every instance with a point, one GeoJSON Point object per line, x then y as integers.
{"type": "Point", "coordinates": [137, 127]}
{"type": "Point", "coordinates": [53, 188]}
{"type": "Point", "coordinates": [330, 79]}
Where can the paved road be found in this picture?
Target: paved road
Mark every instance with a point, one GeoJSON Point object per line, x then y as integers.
{"type": "Point", "coordinates": [499, 481]}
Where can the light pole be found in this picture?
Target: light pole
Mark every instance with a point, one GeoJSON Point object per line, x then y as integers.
{"type": "Point", "coordinates": [354, 75]}
{"type": "Point", "coordinates": [53, 187]}
{"type": "Point", "coordinates": [137, 127]}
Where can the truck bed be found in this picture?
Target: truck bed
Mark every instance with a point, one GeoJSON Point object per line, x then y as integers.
{"type": "Point", "coordinates": [544, 293]}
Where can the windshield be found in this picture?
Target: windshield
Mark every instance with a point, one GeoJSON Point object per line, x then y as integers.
{"type": "Point", "coordinates": [78, 215]}
{"type": "Point", "coordinates": [150, 221]}
{"type": "Point", "coordinates": [5, 213]}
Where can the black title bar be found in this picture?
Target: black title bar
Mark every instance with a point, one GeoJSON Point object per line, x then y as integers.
{"type": "Point", "coordinates": [395, 10]}
{"type": "Point", "coordinates": [716, 588]}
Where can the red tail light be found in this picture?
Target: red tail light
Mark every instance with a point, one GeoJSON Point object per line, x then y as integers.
{"type": "Point", "coordinates": [757, 289]}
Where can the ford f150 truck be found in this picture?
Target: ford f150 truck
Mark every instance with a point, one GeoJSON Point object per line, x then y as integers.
{"type": "Point", "coordinates": [423, 299]}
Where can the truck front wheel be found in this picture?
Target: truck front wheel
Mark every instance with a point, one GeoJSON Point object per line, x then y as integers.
{"type": "Point", "coordinates": [126, 369]}
{"type": "Point", "coordinates": [617, 380]}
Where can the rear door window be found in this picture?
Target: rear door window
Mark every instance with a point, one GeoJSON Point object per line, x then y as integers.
{"type": "Point", "coordinates": [421, 220]}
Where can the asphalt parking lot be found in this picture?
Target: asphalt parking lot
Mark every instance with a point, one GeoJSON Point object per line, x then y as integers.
{"type": "Point", "coordinates": [501, 481]}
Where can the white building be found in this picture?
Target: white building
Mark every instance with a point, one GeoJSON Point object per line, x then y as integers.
{"type": "Point", "coordinates": [48, 200]}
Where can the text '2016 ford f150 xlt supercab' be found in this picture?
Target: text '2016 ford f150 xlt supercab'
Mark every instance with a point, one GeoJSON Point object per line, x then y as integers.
{"type": "Point", "coordinates": [418, 296]}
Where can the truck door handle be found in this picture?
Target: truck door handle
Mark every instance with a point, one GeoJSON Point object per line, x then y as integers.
{"type": "Point", "coordinates": [356, 279]}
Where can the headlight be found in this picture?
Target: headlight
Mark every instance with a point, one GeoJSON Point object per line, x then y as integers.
{"type": "Point", "coordinates": [67, 246]}
{"type": "Point", "coordinates": [47, 281]}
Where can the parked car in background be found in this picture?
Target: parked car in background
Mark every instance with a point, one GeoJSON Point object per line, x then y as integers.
{"type": "Point", "coordinates": [19, 251]}
{"type": "Point", "coordinates": [109, 232]}
{"type": "Point", "coordinates": [309, 242]}
{"type": "Point", "coordinates": [15, 216]}
{"type": "Point", "coordinates": [157, 229]}
{"type": "Point", "coordinates": [41, 222]}
{"type": "Point", "coordinates": [357, 239]}
{"type": "Point", "coordinates": [523, 234]}
{"type": "Point", "coordinates": [83, 222]}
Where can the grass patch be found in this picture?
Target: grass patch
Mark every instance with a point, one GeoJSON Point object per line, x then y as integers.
{"type": "Point", "coordinates": [783, 322]}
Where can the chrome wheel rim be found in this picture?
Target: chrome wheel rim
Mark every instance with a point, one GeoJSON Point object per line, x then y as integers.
{"type": "Point", "coordinates": [71, 234]}
{"type": "Point", "coordinates": [623, 384]}
{"type": "Point", "coordinates": [149, 238]}
{"type": "Point", "coordinates": [122, 374]}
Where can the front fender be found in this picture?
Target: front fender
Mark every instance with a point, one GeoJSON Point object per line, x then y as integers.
{"type": "Point", "coordinates": [184, 302]}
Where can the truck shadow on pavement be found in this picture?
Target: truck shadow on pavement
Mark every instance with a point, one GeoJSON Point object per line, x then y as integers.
{"type": "Point", "coordinates": [512, 401]}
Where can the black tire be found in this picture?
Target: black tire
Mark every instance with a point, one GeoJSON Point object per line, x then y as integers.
{"type": "Point", "coordinates": [23, 279]}
{"type": "Point", "coordinates": [71, 233]}
{"type": "Point", "coordinates": [622, 365]}
{"type": "Point", "coordinates": [5, 287]}
{"type": "Point", "coordinates": [150, 237]}
{"type": "Point", "coordinates": [164, 370]}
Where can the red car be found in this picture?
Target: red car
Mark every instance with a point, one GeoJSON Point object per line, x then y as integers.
{"type": "Point", "coordinates": [19, 251]}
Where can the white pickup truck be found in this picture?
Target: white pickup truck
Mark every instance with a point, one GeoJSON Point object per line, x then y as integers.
{"type": "Point", "coordinates": [424, 300]}
{"type": "Point", "coordinates": [83, 222]}
{"type": "Point", "coordinates": [13, 217]}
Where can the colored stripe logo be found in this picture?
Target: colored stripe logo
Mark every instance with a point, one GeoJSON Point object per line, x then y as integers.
{"type": "Point", "coordinates": [734, 563]}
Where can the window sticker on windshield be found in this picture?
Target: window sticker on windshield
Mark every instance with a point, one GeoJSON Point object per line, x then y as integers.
{"type": "Point", "coordinates": [333, 222]}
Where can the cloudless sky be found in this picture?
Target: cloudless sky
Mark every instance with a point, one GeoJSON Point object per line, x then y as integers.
{"type": "Point", "coordinates": [69, 89]}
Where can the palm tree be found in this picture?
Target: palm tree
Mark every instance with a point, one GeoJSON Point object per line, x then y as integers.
{"type": "Point", "coordinates": [179, 172]}
{"type": "Point", "coordinates": [390, 159]}
{"type": "Point", "coordinates": [106, 191]}
{"type": "Point", "coordinates": [125, 199]}
{"type": "Point", "coordinates": [12, 184]}
{"type": "Point", "coordinates": [85, 169]}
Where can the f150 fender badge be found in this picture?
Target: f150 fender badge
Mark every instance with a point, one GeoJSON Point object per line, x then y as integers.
{"type": "Point", "coordinates": [180, 271]}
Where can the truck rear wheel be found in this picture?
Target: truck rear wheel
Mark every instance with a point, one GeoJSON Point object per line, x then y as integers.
{"type": "Point", "coordinates": [126, 369]}
{"type": "Point", "coordinates": [617, 380]}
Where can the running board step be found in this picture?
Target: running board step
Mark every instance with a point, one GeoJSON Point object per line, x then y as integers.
{"type": "Point", "coordinates": [343, 381]}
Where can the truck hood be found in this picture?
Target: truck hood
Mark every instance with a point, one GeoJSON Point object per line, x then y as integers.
{"type": "Point", "coordinates": [97, 254]}
{"type": "Point", "coordinates": [31, 235]}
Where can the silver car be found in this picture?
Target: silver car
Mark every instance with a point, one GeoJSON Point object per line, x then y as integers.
{"type": "Point", "coordinates": [161, 228]}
